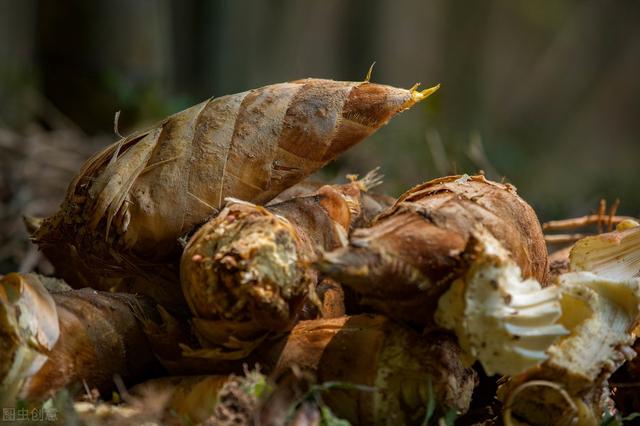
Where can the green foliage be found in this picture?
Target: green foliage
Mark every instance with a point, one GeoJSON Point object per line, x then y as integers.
{"type": "Point", "coordinates": [314, 395]}
{"type": "Point", "coordinates": [256, 384]}
{"type": "Point", "coordinates": [431, 404]}
{"type": "Point", "coordinates": [330, 419]}
{"type": "Point", "coordinates": [143, 101]}
{"type": "Point", "coordinates": [450, 415]}
{"type": "Point", "coordinates": [327, 386]}
{"type": "Point", "coordinates": [610, 419]}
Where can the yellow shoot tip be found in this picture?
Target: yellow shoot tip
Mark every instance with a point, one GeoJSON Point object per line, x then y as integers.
{"type": "Point", "coordinates": [419, 95]}
{"type": "Point", "coordinates": [367, 78]}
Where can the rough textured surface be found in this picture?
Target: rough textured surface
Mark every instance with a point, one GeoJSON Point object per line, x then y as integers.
{"type": "Point", "coordinates": [244, 266]}
{"type": "Point", "coordinates": [613, 254]}
{"type": "Point", "coordinates": [28, 331]}
{"type": "Point", "coordinates": [246, 271]}
{"type": "Point", "coordinates": [129, 204]}
{"type": "Point", "coordinates": [500, 319]}
{"type": "Point", "coordinates": [600, 300]}
{"type": "Point", "coordinates": [372, 204]}
{"type": "Point", "coordinates": [371, 350]}
{"type": "Point", "coordinates": [101, 335]}
{"type": "Point", "coordinates": [404, 262]}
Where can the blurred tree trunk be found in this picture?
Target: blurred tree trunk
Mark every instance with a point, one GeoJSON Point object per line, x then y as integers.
{"type": "Point", "coordinates": [194, 26]}
{"type": "Point", "coordinates": [113, 52]}
{"type": "Point", "coordinates": [467, 26]}
{"type": "Point", "coordinates": [246, 43]}
{"type": "Point", "coordinates": [17, 25]}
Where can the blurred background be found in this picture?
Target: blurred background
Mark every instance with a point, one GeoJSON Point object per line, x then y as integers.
{"type": "Point", "coordinates": [543, 94]}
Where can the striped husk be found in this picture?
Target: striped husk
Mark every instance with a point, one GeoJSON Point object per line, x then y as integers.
{"type": "Point", "coordinates": [126, 209]}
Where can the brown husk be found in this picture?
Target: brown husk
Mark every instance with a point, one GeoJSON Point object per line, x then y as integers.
{"type": "Point", "coordinates": [405, 260]}
{"type": "Point", "coordinates": [247, 270]}
{"type": "Point", "coordinates": [100, 336]}
{"type": "Point", "coordinates": [372, 351]}
{"type": "Point", "coordinates": [119, 225]}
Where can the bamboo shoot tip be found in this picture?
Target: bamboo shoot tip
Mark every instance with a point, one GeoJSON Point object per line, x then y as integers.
{"type": "Point", "coordinates": [420, 95]}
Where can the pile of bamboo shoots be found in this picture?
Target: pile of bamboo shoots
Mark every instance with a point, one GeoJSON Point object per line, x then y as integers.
{"type": "Point", "coordinates": [206, 282]}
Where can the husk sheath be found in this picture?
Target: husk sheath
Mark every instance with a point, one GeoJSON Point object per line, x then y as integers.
{"type": "Point", "coordinates": [371, 203]}
{"type": "Point", "coordinates": [100, 335]}
{"type": "Point", "coordinates": [405, 368]}
{"type": "Point", "coordinates": [405, 260]}
{"type": "Point", "coordinates": [125, 210]}
{"type": "Point", "coordinates": [357, 354]}
{"type": "Point", "coordinates": [373, 370]}
{"type": "Point", "coordinates": [600, 299]}
{"type": "Point", "coordinates": [247, 268]}
{"type": "Point", "coordinates": [29, 330]}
